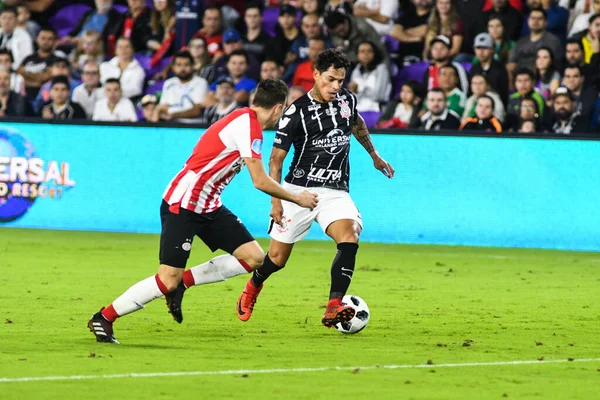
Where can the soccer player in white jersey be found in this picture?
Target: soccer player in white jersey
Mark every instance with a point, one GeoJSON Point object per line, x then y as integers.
{"type": "Point", "coordinates": [319, 125]}
{"type": "Point", "coordinates": [192, 207]}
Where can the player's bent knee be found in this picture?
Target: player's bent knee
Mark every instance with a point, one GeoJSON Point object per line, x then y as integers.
{"type": "Point", "coordinates": [251, 253]}
{"type": "Point", "coordinates": [170, 276]}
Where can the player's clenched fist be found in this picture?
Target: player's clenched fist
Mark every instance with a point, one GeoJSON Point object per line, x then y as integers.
{"type": "Point", "coordinates": [307, 199]}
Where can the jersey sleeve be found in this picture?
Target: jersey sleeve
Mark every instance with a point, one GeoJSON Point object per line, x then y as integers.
{"type": "Point", "coordinates": [287, 128]}
{"type": "Point", "coordinates": [250, 145]}
{"type": "Point", "coordinates": [354, 110]}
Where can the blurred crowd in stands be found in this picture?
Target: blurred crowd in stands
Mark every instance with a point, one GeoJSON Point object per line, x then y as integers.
{"type": "Point", "coordinates": [489, 65]}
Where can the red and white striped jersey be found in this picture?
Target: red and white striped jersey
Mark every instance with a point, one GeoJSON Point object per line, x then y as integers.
{"type": "Point", "coordinates": [216, 159]}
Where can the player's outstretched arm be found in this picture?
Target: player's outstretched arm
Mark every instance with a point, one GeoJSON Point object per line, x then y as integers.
{"type": "Point", "coordinates": [361, 133]}
{"type": "Point", "coordinates": [265, 183]}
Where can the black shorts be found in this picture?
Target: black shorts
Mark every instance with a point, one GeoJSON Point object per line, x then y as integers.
{"type": "Point", "coordinates": [220, 229]}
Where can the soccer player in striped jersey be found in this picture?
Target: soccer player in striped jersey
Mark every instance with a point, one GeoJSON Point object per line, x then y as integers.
{"type": "Point", "coordinates": [192, 207]}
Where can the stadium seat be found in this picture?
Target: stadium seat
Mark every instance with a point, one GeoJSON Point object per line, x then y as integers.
{"type": "Point", "coordinates": [370, 117]}
{"type": "Point", "coordinates": [120, 8]}
{"type": "Point", "coordinates": [392, 45]}
{"type": "Point", "coordinates": [155, 87]}
{"type": "Point", "coordinates": [270, 16]}
{"type": "Point", "coordinates": [67, 18]}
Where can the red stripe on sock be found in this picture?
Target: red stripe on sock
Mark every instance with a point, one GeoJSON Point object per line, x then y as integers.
{"type": "Point", "coordinates": [110, 314]}
{"type": "Point", "coordinates": [161, 286]}
{"type": "Point", "coordinates": [246, 266]}
{"type": "Point", "coordinates": [188, 279]}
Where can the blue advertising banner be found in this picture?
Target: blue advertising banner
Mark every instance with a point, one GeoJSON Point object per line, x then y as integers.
{"type": "Point", "coordinates": [447, 190]}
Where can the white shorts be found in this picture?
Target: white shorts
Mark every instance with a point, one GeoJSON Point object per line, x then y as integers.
{"type": "Point", "coordinates": [333, 206]}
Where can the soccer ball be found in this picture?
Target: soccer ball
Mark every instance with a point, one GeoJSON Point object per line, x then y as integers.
{"type": "Point", "coordinates": [361, 318]}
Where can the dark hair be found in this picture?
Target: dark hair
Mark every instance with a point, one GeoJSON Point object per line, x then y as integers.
{"type": "Point", "coordinates": [541, 10]}
{"type": "Point", "coordinates": [574, 66]}
{"type": "Point", "coordinates": [335, 58]}
{"type": "Point", "coordinates": [437, 90]}
{"type": "Point", "coordinates": [9, 53]}
{"type": "Point", "coordinates": [48, 29]}
{"type": "Point", "coordinates": [112, 80]}
{"type": "Point", "coordinates": [547, 76]}
{"type": "Point", "coordinates": [270, 92]}
{"type": "Point", "coordinates": [593, 18]}
{"type": "Point", "coordinates": [9, 9]}
{"type": "Point", "coordinates": [481, 75]}
{"type": "Point", "coordinates": [416, 87]}
{"type": "Point", "coordinates": [377, 56]}
{"type": "Point", "coordinates": [239, 53]}
{"type": "Point", "coordinates": [214, 8]}
{"type": "Point", "coordinates": [60, 79]}
{"type": "Point", "coordinates": [453, 68]}
{"type": "Point", "coordinates": [525, 71]}
{"type": "Point", "coordinates": [485, 96]}
{"type": "Point", "coordinates": [255, 4]}
{"type": "Point", "coordinates": [61, 60]}
{"type": "Point", "coordinates": [334, 18]}
{"type": "Point", "coordinates": [184, 54]}
{"type": "Point", "coordinates": [575, 41]}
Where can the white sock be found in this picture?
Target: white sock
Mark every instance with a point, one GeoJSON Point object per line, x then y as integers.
{"type": "Point", "coordinates": [137, 296]}
{"type": "Point", "coordinates": [216, 270]}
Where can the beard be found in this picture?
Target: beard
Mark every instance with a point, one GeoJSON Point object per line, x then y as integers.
{"type": "Point", "coordinates": [185, 77]}
{"type": "Point", "coordinates": [563, 113]}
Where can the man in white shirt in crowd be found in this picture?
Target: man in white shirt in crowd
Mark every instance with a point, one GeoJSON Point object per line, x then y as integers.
{"type": "Point", "coordinates": [125, 68]}
{"type": "Point", "coordinates": [379, 14]}
{"type": "Point", "coordinates": [17, 82]}
{"type": "Point", "coordinates": [114, 107]}
{"type": "Point", "coordinates": [90, 91]}
{"type": "Point", "coordinates": [13, 38]}
{"type": "Point", "coordinates": [225, 95]}
{"type": "Point", "coordinates": [183, 95]}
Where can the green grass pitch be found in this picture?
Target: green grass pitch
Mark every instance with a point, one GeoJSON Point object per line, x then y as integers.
{"type": "Point", "coordinates": [444, 306]}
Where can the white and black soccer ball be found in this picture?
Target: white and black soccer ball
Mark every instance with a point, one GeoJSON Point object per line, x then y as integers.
{"type": "Point", "coordinates": [361, 318]}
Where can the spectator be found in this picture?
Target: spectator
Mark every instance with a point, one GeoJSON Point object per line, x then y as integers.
{"type": "Point", "coordinates": [575, 56]}
{"type": "Point", "coordinates": [203, 67]}
{"type": "Point", "coordinates": [527, 110]}
{"type": "Point", "coordinates": [590, 38]}
{"type": "Point", "coordinates": [566, 118]}
{"type": "Point", "coordinates": [410, 31]}
{"type": "Point", "coordinates": [212, 31]}
{"type": "Point", "coordinates": [525, 51]}
{"type": "Point", "coordinates": [162, 24]}
{"type": "Point", "coordinates": [311, 29]}
{"type": "Point", "coordinates": [17, 83]}
{"type": "Point", "coordinates": [295, 93]}
{"type": "Point", "coordinates": [502, 45]}
{"type": "Point", "coordinates": [103, 18]}
{"type": "Point", "coordinates": [89, 47]}
{"type": "Point", "coordinates": [444, 20]}
{"type": "Point", "coordinates": [232, 41]}
{"type": "Point", "coordinates": [527, 126]}
{"type": "Point", "coordinates": [524, 83]}
{"type": "Point", "coordinates": [35, 68]}
{"type": "Point", "coordinates": [493, 70]}
{"type": "Point", "coordinates": [13, 38]}
{"type": "Point", "coordinates": [558, 18]}
{"type": "Point", "coordinates": [12, 104]}
{"type": "Point", "coordinates": [348, 32]}
{"type": "Point", "coordinates": [90, 91]}
{"type": "Point", "coordinates": [370, 79]}
{"type": "Point", "coordinates": [148, 103]}
{"type": "Point", "coordinates": [23, 18]}
{"type": "Point", "coordinates": [581, 23]}
{"type": "Point", "coordinates": [455, 98]}
{"type": "Point", "coordinates": [270, 70]}
{"type": "Point", "coordinates": [440, 54]}
{"type": "Point", "coordinates": [59, 67]}
{"type": "Point", "coordinates": [304, 76]}
{"type": "Point", "coordinates": [548, 78]}
{"type": "Point", "coordinates": [438, 115]}
{"type": "Point", "coordinates": [480, 86]}
{"type": "Point", "coordinates": [113, 106]}
{"type": "Point", "coordinates": [484, 119]}
{"type": "Point", "coordinates": [379, 14]}
{"type": "Point", "coordinates": [135, 26]}
{"type": "Point", "coordinates": [183, 95]}
{"type": "Point", "coordinates": [125, 68]}
{"type": "Point", "coordinates": [344, 6]}
{"type": "Point", "coordinates": [512, 19]}
{"type": "Point", "coordinates": [403, 113]}
{"type": "Point", "coordinates": [256, 40]}
{"type": "Point", "coordinates": [60, 107]}
{"type": "Point", "coordinates": [585, 98]}
{"type": "Point", "coordinates": [311, 7]}
{"type": "Point", "coordinates": [226, 103]}
{"type": "Point", "coordinates": [237, 65]}
{"type": "Point", "coordinates": [279, 50]}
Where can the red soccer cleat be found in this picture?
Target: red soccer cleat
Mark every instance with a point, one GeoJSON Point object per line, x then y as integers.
{"type": "Point", "coordinates": [246, 302]}
{"type": "Point", "coordinates": [336, 313]}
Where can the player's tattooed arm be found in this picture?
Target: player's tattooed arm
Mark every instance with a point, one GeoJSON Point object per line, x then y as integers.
{"type": "Point", "coordinates": [275, 172]}
{"type": "Point", "coordinates": [361, 133]}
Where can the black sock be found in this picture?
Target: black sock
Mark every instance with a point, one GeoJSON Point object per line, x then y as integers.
{"type": "Point", "coordinates": [342, 269]}
{"type": "Point", "coordinates": [261, 274]}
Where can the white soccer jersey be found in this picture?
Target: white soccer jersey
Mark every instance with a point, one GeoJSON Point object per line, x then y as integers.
{"type": "Point", "coordinates": [183, 96]}
{"type": "Point", "coordinates": [215, 161]}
